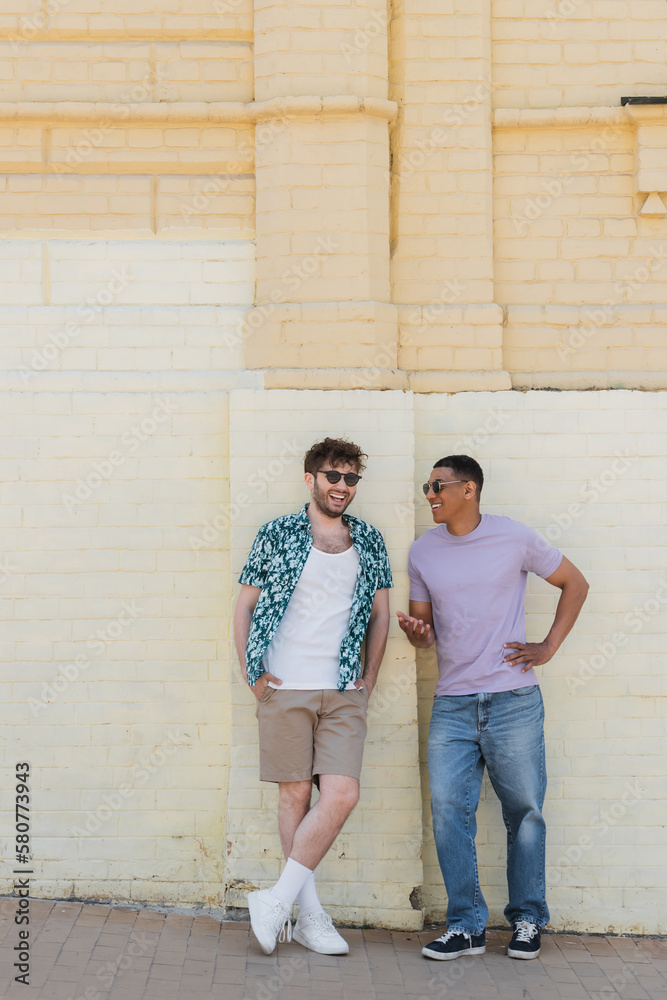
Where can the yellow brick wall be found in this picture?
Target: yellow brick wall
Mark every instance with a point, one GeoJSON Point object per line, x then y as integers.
{"type": "Point", "coordinates": [342, 46]}
{"type": "Point", "coordinates": [121, 19]}
{"type": "Point", "coordinates": [581, 273]}
{"type": "Point", "coordinates": [308, 219]}
{"type": "Point", "coordinates": [124, 71]}
{"type": "Point", "coordinates": [569, 53]}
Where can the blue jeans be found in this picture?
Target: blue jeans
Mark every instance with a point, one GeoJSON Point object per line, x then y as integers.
{"type": "Point", "coordinates": [505, 731]}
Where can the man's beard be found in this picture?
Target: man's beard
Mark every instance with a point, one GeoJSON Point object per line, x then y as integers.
{"type": "Point", "coordinates": [320, 501]}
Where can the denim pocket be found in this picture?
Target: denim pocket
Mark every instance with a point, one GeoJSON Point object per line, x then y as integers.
{"type": "Point", "coordinates": [521, 692]}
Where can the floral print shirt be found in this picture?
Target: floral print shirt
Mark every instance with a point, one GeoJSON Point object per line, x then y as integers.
{"type": "Point", "coordinates": [274, 564]}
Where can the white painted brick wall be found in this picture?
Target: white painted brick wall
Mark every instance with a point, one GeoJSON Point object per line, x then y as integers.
{"type": "Point", "coordinates": [605, 713]}
{"type": "Point", "coordinates": [366, 875]}
{"type": "Point", "coordinates": [139, 538]}
{"type": "Point", "coordinates": [149, 691]}
{"type": "Point", "coordinates": [76, 305]}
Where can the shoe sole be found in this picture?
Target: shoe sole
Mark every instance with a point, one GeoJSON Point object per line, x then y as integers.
{"type": "Point", "coordinates": [266, 945]}
{"type": "Point", "coordinates": [296, 936]}
{"type": "Point", "coordinates": [523, 954]}
{"type": "Point", "coordinates": [440, 957]}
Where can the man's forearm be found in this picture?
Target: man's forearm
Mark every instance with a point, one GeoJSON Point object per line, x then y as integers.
{"type": "Point", "coordinates": [569, 605]}
{"type": "Point", "coordinates": [376, 643]}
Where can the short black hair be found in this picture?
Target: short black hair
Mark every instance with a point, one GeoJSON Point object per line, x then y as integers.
{"type": "Point", "coordinates": [464, 466]}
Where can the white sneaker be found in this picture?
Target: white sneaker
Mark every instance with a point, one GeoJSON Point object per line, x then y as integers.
{"type": "Point", "coordinates": [270, 920]}
{"type": "Point", "coordinates": [317, 932]}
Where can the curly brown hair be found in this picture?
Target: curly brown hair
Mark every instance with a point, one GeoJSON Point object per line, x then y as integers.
{"type": "Point", "coordinates": [336, 451]}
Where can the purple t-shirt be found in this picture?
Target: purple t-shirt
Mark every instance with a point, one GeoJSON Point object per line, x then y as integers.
{"type": "Point", "coordinates": [476, 585]}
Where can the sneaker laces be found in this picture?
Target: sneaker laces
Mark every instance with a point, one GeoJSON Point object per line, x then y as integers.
{"type": "Point", "coordinates": [282, 924]}
{"type": "Point", "coordinates": [450, 934]}
{"type": "Point", "coordinates": [525, 931]}
{"type": "Point", "coordinates": [286, 931]}
{"type": "Point", "coordinates": [324, 921]}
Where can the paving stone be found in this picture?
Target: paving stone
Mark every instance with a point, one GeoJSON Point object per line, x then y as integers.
{"type": "Point", "coordinates": [79, 947]}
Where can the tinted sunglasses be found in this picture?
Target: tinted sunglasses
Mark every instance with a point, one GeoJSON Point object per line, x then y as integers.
{"type": "Point", "coordinates": [351, 478]}
{"type": "Point", "coordinates": [437, 484]}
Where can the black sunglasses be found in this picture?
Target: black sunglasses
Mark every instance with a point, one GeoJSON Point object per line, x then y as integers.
{"type": "Point", "coordinates": [437, 485]}
{"type": "Point", "coordinates": [351, 478]}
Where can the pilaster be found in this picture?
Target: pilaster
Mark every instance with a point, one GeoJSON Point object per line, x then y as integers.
{"type": "Point", "coordinates": [322, 172]}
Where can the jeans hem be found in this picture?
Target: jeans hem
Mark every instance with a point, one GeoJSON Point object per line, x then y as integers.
{"type": "Point", "coordinates": [458, 929]}
{"type": "Point", "coordinates": [540, 923]}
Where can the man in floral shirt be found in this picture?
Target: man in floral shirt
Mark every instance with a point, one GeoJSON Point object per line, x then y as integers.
{"type": "Point", "coordinates": [314, 586]}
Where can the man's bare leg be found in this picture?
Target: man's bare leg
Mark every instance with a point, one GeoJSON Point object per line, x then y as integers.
{"type": "Point", "coordinates": [316, 832]}
{"type": "Point", "coordinates": [293, 804]}
{"type": "Point", "coordinates": [321, 825]}
{"type": "Point", "coordinates": [310, 841]}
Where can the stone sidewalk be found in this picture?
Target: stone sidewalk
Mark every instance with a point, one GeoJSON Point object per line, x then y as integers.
{"type": "Point", "coordinates": [93, 952]}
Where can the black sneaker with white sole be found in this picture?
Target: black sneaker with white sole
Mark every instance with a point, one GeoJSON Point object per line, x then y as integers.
{"type": "Point", "coordinates": [525, 941]}
{"type": "Point", "coordinates": [453, 944]}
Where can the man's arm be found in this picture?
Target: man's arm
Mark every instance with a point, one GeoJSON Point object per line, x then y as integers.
{"type": "Point", "coordinates": [418, 625]}
{"type": "Point", "coordinates": [243, 612]}
{"type": "Point", "coordinates": [376, 638]}
{"type": "Point", "coordinates": [574, 588]}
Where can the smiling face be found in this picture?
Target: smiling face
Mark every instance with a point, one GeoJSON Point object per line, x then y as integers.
{"type": "Point", "coordinates": [331, 500]}
{"type": "Point", "coordinates": [451, 501]}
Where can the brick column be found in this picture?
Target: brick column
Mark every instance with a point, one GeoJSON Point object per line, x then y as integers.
{"type": "Point", "coordinates": [442, 225]}
{"type": "Point", "coordinates": [322, 316]}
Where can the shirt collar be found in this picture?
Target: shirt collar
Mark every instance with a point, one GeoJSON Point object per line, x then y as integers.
{"type": "Point", "coordinates": [351, 522]}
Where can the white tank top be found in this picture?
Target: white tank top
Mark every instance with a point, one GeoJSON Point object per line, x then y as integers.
{"type": "Point", "coordinates": [305, 651]}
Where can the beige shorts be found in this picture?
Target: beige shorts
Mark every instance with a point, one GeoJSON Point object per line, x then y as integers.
{"type": "Point", "coordinates": [306, 733]}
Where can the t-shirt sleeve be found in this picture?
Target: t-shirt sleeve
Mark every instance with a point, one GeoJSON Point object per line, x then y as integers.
{"type": "Point", "coordinates": [418, 589]}
{"type": "Point", "coordinates": [540, 557]}
{"type": "Point", "coordinates": [256, 568]}
{"type": "Point", "coordinates": [384, 569]}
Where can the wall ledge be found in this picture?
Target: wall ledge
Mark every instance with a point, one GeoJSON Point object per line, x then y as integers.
{"type": "Point", "coordinates": [195, 113]}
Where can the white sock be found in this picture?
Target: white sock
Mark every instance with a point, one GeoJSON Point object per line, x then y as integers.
{"type": "Point", "coordinates": [307, 899]}
{"type": "Point", "coordinates": [290, 883]}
